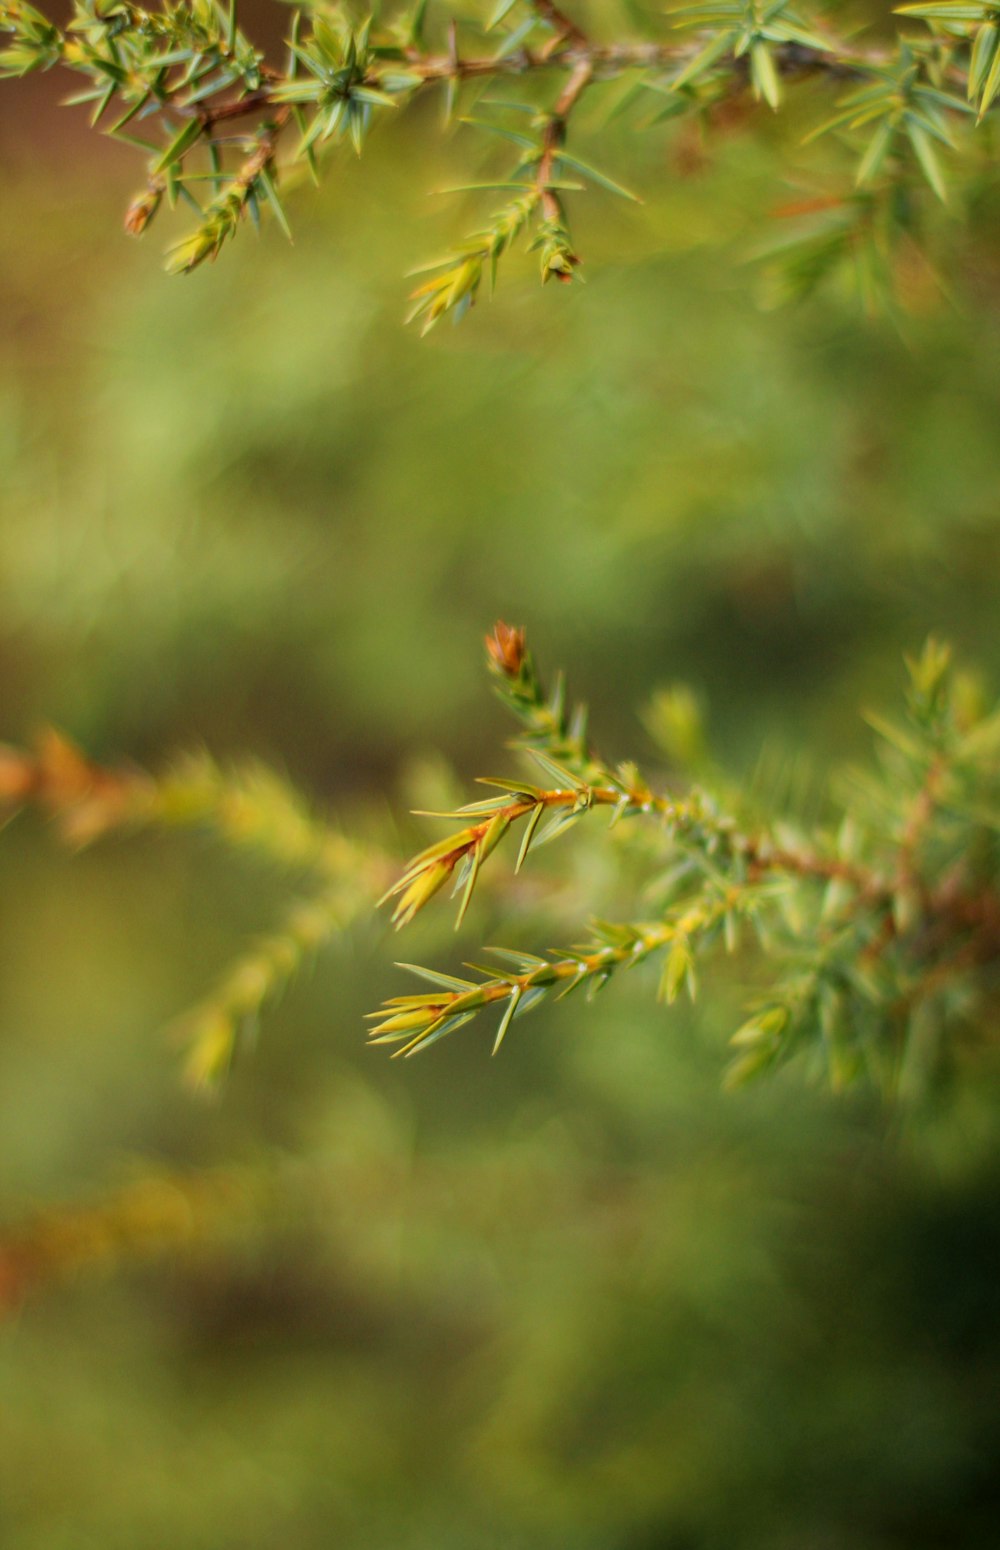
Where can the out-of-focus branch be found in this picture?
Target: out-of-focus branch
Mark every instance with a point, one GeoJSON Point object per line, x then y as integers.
{"type": "Point", "coordinates": [189, 76]}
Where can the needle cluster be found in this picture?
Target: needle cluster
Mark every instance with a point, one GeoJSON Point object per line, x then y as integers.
{"type": "Point", "coordinates": [228, 131]}
{"type": "Point", "coordinates": [876, 937]}
{"type": "Point", "coordinates": [870, 939]}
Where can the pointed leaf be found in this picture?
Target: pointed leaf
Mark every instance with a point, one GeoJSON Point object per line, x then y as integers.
{"type": "Point", "coordinates": [927, 157]}
{"type": "Point", "coordinates": [509, 1012]}
{"type": "Point", "coordinates": [874, 158]}
{"type": "Point", "coordinates": [763, 75]}
{"type": "Point", "coordinates": [564, 778]}
{"type": "Point", "coordinates": [528, 836]}
{"type": "Point", "coordinates": [182, 141]}
{"type": "Point", "coordinates": [434, 977]}
{"type": "Point", "coordinates": [499, 12]}
{"type": "Point", "coordinates": [595, 175]}
{"type": "Point", "coordinates": [470, 883]}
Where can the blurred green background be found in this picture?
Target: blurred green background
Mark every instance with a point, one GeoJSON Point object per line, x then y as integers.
{"type": "Point", "coordinates": [576, 1296]}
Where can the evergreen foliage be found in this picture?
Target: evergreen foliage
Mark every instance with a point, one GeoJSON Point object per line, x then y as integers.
{"type": "Point", "coordinates": [880, 931]}
{"type": "Point", "coordinates": [581, 1294]}
{"type": "Point", "coordinates": [875, 933]}
{"type": "Point", "coordinates": [865, 939]}
{"type": "Point", "coordinates": [228, 131]}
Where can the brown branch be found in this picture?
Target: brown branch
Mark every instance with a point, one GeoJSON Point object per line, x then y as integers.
{"type": "Point", "coordinates": [154, 1216]}
{"type": "Point", "coordinates": [254, 102]}
{"type": "Point", "coordinates": [85, 798]}
{"type": "Point", "coordinates": [920, 813]}
{"type": "Point", "coordinates": [762, 857]}
{"type": "Point", "coordinates": [949, 909]}
{"type": "Point", "coordinates": [564, 27]}
{"type": "Point", "coordinates": [614, 58]}
{"type": "Point", "coordinates": [261, 158]}
{"type": "Point", "coordinates": [433, 867]}
{"type": "Point", "coordinates": [554, 135]}
{"type": "Point", "coordinates": [572, 52]}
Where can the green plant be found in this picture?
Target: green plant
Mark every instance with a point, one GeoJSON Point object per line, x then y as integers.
{"type": "Point", "coordinates": [865, 941]}
{"type": "Point", "coordinates": [872, 936]}
{"type": "Point", "coordinates": [228, 131]}
{"type": "Point", "coordinates": [878, 932]}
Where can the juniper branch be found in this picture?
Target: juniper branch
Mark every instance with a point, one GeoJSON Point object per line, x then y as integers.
{"type": "Point", "coordinates": [143, 1219]}
{"type": "Point", "coordinates": [421, 1020]}
{"type": "Point", "coordinates": [556, 741]}
{"type": "Point", "coordinates": [889, 924]}
{"type": "Point", "coordinates": [252, 810]}
{"type": "Point", "coordinates": [190, 70]}
{"type": "Point", "coordinates": [248, 806]}
{"type": "Point", "coordinates": [211, 1031]}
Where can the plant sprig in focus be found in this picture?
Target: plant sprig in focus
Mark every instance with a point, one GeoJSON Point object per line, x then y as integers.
{"type": "Point", "coordinates": [877, 935]}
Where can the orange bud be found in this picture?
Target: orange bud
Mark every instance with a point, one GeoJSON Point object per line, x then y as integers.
{"type": "Point", "coordinates": [141, 211]}
{"type": "Point", "coordinates": [506, 649]}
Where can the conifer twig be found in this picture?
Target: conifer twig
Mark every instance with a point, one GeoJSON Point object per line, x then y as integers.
{"type": "Point", "coordinates": [870, 939]}
{"type": "Point", "coordinates": [556, 741]}
{"type": "Point", "coordinates": [187, 72]}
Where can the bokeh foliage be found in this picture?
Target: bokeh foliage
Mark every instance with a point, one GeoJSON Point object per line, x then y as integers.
{"type": "Point", "coordinates": [576, 1294]}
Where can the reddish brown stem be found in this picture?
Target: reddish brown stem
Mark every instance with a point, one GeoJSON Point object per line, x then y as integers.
{"type": "Point", "coordinates": [554, 135]}
{"type": "Point", "coordinates": [570, 50]}
{"type": "Point", "coordinates": [564, 27]}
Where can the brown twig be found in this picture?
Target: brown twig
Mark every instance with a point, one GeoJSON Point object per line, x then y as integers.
{"type": "Point", "coordinates": [762, 857]}
{"type": "Point", "coordinates": [554, 135]}
{"type": "Point", "coordinates": [571, 52]}
{"type": "Point", "coordinates": [565, 28]}
{"type": "Point", "coordinates": [85, 798]}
